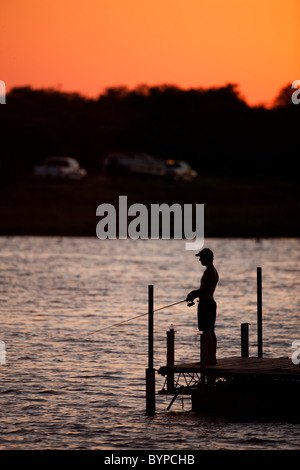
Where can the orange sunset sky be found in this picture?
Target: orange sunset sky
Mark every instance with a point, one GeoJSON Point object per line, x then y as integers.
{"type": "Point", "coordinates": [87, 45]}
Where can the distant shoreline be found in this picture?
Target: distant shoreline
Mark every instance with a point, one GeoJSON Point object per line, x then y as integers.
{"type": "Point", "coordinates": [233, 207]}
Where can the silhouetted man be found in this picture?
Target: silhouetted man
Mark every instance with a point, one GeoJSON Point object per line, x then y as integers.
{"type": "Point", "coordinates": [207, 307]}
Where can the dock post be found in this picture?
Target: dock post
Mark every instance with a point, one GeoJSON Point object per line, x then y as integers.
{"type": "Point", "coordinates": [245, 339]}
{"type": "Point", "coordinates": [259, 314]}
{"type": "Point", "coordinates": [150, 372]}
{"type": "Point", "coordinates": [170, 359]}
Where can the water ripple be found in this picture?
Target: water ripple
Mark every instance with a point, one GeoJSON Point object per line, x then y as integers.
{"type": "Point", "coordinates": [67, 384]}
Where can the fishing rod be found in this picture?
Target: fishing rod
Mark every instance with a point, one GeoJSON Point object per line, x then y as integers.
{"type": "Point", "coordinates": [189, 304]}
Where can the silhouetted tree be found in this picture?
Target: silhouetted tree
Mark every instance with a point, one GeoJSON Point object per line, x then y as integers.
{"type": "Point", "coordinates": [213, 129]}
{"type": "Point", "coordinates": [284, 97]}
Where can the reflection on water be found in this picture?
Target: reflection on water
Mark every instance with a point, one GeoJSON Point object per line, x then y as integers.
{"type": "Point", "coordinates": [68, 385]}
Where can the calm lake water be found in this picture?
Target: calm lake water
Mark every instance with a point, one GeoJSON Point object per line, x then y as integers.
{"type": "Point", "coordinates": [67, 385]}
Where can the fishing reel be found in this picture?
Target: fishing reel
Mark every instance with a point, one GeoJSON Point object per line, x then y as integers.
{"type": "Point", "coordinates": [190, 303]}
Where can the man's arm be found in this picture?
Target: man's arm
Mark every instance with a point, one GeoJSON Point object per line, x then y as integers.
{"type": "Point", "coordinates": [192, 295]}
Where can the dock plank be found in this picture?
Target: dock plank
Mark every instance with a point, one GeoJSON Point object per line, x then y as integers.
{"type": "Point", "coordinates": [281, 367]}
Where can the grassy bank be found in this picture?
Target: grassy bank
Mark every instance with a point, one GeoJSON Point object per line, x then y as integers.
{"type": "Point", "coordinates": [234, 207]}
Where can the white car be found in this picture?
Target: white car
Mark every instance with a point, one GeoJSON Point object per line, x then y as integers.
{"type": "Point", "coordinates": [60, 168]}
{"type": "Point", "coordinates": [179, 170]}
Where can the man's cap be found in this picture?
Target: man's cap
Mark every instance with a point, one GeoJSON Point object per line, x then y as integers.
{"type": "Point", "coordinates": [205, 252]}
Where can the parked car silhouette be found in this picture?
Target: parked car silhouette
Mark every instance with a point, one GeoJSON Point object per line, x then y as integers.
{"type": "Point", "coordinates": [60, 168]}
{"type": "Point", "coordinates": [179, 170]}
{"type": "Point", "coordinates": [133, 164]}
{"type": "Point", "coordinates": [145, 164]}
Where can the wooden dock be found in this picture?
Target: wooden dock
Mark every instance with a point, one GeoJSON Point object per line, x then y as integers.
{"type": "Point", "coordinates": [259, 386]}
{"type": "Point", "coordinates": [262, 367]}
{"type": "Point", "coordinates": [238, 386]}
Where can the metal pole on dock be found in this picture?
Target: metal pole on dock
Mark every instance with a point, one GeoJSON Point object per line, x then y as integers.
{"type": "Point", "coordinates": [259, 313]}
{"type": "Point", "coordinates": [170, 358]}
{"type": "Point", "coordinates": [150, 372]}
{"type": "Point", "coordinates": [245, 339]}
{"type": "Point", "coordinates": [150, 327]}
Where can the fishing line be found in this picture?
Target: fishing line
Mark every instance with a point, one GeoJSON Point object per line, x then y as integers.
{"type": "Point", "coordinates": [142, 315]}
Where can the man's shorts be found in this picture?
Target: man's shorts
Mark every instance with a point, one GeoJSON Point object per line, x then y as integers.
{"type": "Point", "coordinates": [207, 310]}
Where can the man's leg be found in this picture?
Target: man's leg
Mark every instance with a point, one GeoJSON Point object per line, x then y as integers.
{"type": "Point", "coordinates": [210, 344]}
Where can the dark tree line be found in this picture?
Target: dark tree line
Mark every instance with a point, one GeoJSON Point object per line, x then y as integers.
{"type": "Point", "coordinates": [212, 129]}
